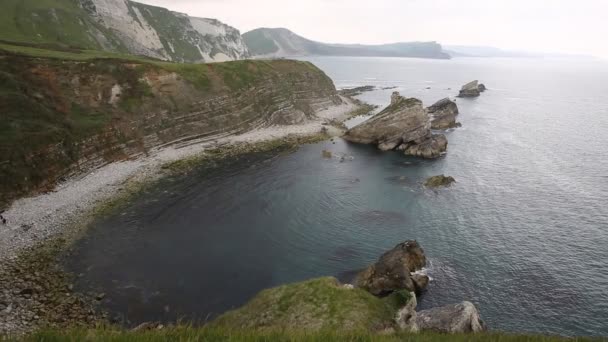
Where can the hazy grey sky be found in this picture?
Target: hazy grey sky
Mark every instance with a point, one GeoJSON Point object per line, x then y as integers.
{"type": "Point", "coordinates": [570, 26]}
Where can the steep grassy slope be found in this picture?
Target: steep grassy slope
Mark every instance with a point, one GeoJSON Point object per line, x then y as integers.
{"type": "Point", "coordinates": [280, 42]}
{"type": "Point", "coordinates": [119, 26]}
{"type": "Point", "coordinates": [69, 111]}
{"type": "Point", "coordinates": [54, 22]}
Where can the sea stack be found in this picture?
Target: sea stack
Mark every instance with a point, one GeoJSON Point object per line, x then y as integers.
{"type": "Point", "coordinates": [405, 126]}
{"type": "Point", "coordinates": [472, 89]}
{"type": "Point", "coordinates": [443, 114]}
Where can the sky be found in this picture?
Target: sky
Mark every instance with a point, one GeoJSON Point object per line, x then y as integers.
{"type": "Point", "coordinates": [560, 26]}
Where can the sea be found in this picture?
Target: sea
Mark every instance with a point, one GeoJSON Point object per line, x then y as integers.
{"type": "Point", "coordinates": [523, 233]}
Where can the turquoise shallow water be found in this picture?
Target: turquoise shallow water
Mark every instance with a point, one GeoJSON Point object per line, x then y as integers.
{"type": "Point", "coordinates": [523, 234]}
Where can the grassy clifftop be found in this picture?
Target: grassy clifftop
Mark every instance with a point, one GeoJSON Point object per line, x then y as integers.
{"type": "Point", "coordinates": [316, 310]}
{"type": "Point", "coordinates": [66, 110]}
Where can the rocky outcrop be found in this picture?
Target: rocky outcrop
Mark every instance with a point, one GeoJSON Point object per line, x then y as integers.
{"type": "Point", "coordinates": [392, 272]}
{"type": "Point", "coordinates": [102, 111]}
{"type": "Point", "coordinates": [443, 114]}
{"type": "Point", "coordinates": [472, 89]}
{"type": "Point", "coordinates": [404, 125]}
{"type": "Point", "coordinates": [455, 318]}
{"type": "Point", "coordinates": [430, 148]}
{"type": "Point", "coordinates": [406, 317]}
{"type": "Point", "coordinates": [439, 181]}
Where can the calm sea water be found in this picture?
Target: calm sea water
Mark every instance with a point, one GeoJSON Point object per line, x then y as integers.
{"type": "Point", "coordinates": [523, 234]}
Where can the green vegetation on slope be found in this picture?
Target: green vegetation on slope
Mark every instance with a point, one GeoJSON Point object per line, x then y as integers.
{"type": "Point", "coordinates": [53, 22]}
{"type": "Point", "coordinates": [217, 334]}
{"type": "Point", "coordinates": [56, 106]}
{"type": "Point", "coordinates": [258, 43]}
{"type": "Point", "coordinates": [316, 310]}
{"type": "Point", "coordinates": [318, 304]}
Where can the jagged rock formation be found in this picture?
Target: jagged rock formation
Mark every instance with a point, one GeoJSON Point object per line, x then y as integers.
{"type": "Point", "coordinates": [405, 126]}
{"type": "Point", "coordinates": [392, 272]}
{"type": "Point", "coordinates": [472, 89]}
{"type": "Point", "coordinates": [280, 42]}
{"type": "Point", "coordinates": [122, 26]}
{"type": "Point", "coordinates": [97, 112]}
{"type": "Point", "coordinates": [439, 181]}
{"type": "Point", "coordinates": [443, 114]}
{"type": "Point", "coordinates": [451, 319]}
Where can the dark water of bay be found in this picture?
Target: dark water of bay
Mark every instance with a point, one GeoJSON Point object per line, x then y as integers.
{"type": "Point", "coordinates": [523, 234]}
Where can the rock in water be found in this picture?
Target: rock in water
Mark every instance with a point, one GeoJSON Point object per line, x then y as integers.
{"type": "Point", "coordinates": [393, 270]}
{"type": "Point", "coordinates": [439, 181]}
{"type": "Point", "coordinates": [403, 125]}
{"type": "Point", "coordinates": [430, 148]}
{"type": "Point", "coordinates": [470, 89]}
{"type": "Point", "coordinates": [443, 114]}
{"type": "Point", "coordinates": [421, 281]}
{"type": "Point", "coordinates": [455, 318]}
{"type": "Point", "coordinates": [481, 87]}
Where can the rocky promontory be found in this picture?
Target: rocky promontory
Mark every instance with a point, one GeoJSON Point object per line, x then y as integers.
{"type": "Point", "coordinates": [404, 125]}
{"type": "Point", "coordinates": [382, 301]}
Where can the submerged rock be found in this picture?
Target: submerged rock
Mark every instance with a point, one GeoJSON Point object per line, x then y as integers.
{"type": "Point", "coordinates": [443, 114]}
{"type": "Point", "coordinates": [393, 270]}
{"type": "Point", "coordinates": [326, 154]}
{"type": "Point", "coordinates": [403, 125]}
{"type": "Point", "coordinates": [470, 89]}
{"type": "Point", "coordinates": [439, 181]}
{"type": "Point", "coordinates": [455, 318]}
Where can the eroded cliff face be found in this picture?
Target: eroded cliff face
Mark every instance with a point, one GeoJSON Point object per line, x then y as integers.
{"type": "Point", "coordinates": [65, 117]}
{"type": "Point", "coordinates": [121, 26]}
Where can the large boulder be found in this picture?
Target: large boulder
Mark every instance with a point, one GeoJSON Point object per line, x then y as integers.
{"type": "Point", "coordinates": [443, 114]}
{"type": "Point", "coordinates": [403, 125]}
{"type": "Point", "coordinates": [470, 89]}
{"type": "Point", "coordinates": [451, 319]}
{"type": "Point", "coordinates": [392, 272]}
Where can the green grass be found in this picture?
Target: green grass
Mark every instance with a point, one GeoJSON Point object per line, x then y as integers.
{"type": "Point", "coordinates": [61, 22]}
{"type": "Point", "coordinates": [318, 304]}
{"type": "Point", "coordinates": [293, 334]}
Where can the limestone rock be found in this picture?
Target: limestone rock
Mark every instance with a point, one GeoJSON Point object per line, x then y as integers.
{"type": "Point", "coordinates": [403, 125]}
{"type": "Point", "coordinates": [406, 317]}
{"type": "Point", "coordinates": [443, 114]}
{"type": "Point", "coordinates": [433, 147]}
{"type": "Point", "coordinates": [481, 87]}
{"type": "Point", "coordinates": [470, 89]}
{"type": "Point", "coordinates": [455, 318]}
{"type": "Point", "coordinates": [439, 181]}
{"type": "Point", "coordinates": [392, 271]}
{"type": "Point", "coordinates": [421, 281]}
